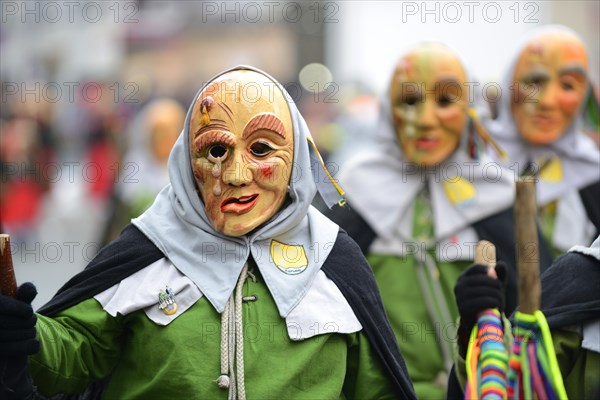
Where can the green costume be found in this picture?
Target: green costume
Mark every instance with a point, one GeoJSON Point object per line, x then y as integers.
{"type": "Point", "coordinates": [152, 361]}
{"type": "Point", "coordinates": [420, 198]}
{"type": "Point", "coordinates": [580, 367]}
{"type": "Point", "coordinates": [423, 333]}
{"type": "Point", "coordinates": [419, 297]}
{"type": "Point", "coordinates": [287, 309]}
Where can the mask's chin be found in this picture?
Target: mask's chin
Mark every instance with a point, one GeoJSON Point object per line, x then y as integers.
{"type": "Point", "coordinates": [285, 204]}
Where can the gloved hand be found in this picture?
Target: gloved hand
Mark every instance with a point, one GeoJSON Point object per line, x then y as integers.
{"type": "Point", "coordinates": [17, 323]}
{"type": "Point", "coordinates": [477, 289]}
{"type": "Point", "coordinates": [17, 342]}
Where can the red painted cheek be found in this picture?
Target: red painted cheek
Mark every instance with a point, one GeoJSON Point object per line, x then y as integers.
{"type": "Point", "coordinates": [266, 171]}
{"type": "Point", "coordinates": [569, 102]}
{"type": "Point", "coordinates": [453, 121]}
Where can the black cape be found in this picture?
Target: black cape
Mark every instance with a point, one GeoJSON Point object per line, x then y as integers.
{"type": "Point", "coordinates": [345, 266]}
{"type": "Point", "coordinates": [571, 290]}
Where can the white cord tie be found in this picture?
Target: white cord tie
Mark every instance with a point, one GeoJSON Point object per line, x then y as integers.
{"type": "Point", "coordinates": [232, 342]}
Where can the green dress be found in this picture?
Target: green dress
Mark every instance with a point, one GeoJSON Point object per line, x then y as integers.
{"type": "Point", "coordinates": [182, 359]}
{"type": "Point", "coordinates": [425, 334]}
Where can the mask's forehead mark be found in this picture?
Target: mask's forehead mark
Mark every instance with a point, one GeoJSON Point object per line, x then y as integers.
{"type": "Point", "coordinates": [205, 106]}
{"type": "Point", "coordinates": [198, 118]}
{"type": "Point", "coordinates": [536, 49]}
{"type": "Point", "coordinates": [227, 110]}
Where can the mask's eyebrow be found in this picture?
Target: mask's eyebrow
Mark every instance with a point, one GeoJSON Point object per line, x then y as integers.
{"type": "Point", "coordinates": [266, 121]}
{"type": "Point", "coordinates": [212, 136]}
{"type": "Point", "coordinates": [537, 74]}
{"type": "Point", "coordinates": [575, 69]}
{"type": "Point", "coordinates": [214, 124]}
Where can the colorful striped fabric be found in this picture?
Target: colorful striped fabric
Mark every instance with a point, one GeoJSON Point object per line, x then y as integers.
{"type": "Point", "coordinates": [487, 358]}
{"type": "Point", "coordinates": [533, 370]}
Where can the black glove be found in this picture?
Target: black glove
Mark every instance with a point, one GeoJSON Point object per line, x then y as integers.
{"type": "Point", "coordinates": [17, 342]}
{"type": "Point", "coordinates": [475, 292]}
{"type": "Point", "coordinates": [17, 323]}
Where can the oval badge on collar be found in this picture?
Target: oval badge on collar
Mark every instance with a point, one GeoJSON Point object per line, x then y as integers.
{"type": "Point", "coordinates": [166, 301]}
{"type": "Point", "coordinates": [290, 259]}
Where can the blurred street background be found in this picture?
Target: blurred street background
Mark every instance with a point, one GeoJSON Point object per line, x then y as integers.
{"type": "Point", "coordinates": [94, 93]}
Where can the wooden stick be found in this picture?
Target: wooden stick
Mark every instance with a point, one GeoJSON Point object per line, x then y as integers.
{"type": "Point", "coordinates": [8, 282]}
{"type": "Point", "coordinates": [485, 254]}
{"type": "Point", "coordinates": [528, 263]}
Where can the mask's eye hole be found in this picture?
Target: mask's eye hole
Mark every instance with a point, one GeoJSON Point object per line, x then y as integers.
{"type": "Point", "coordinates": [446, 100]}
{"type": "Point", "coordinates": [217, 151]}
{"type": "Point", "coordinates": [260, 149]}
{"type": "Point", "coordinates": [411, 100]}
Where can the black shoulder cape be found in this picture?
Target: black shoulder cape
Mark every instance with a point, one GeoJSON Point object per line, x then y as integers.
{"type": "Point", "coordinates": [571, 290]}
{"type": "Point", "coordinates": [345, 266]}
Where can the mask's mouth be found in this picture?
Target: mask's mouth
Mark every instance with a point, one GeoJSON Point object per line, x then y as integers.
{"type": "Point", "coordinates": [426, 143]}
{"type": "Point", "coordinates": [544, 120]}
{"type": "Point", "coordinates": [239, 205]}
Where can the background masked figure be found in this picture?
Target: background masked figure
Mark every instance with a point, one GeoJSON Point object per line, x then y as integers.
{"type": "Point", "coordinates": [421, 203]}
{"type": "Point", "coordinates": [540, 125]}
{"type": "Point", "coordinates": [144, 170]}
{"type": "Point", "coordinates": [230, 285]}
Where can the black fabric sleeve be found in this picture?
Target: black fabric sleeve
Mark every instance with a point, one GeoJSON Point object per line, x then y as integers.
{"type": "Point", "coordinates": [571, 290]}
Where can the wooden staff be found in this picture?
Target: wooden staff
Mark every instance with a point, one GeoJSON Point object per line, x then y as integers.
{"type": "Point", "coordinates": [528, 263]}
{"type": "Point", "coordinates": [8, 282]}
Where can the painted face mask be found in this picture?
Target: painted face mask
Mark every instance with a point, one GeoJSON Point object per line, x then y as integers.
{"type": "Point", "coordinates": [242, 148]}
{"type": "Point", "coordinates": [429, 101]}
{"type": "Point", "coordinates": [550, 82]}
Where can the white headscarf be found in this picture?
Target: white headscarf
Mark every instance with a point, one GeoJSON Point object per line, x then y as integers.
{"type": "Point", "coordinates": [382, 186]}
{"type": "Point", "coordinates": [178, 224]}
{"type": "Point", "coordinates": [579, 158]}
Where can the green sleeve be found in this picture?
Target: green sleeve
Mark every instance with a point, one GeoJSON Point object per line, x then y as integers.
{"type": "Point", "coordinates": [579, 367]}
{"type": "Point", "coordinates": [366, 377]}
{"type": "Point", "coordinates": [77, 346]}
